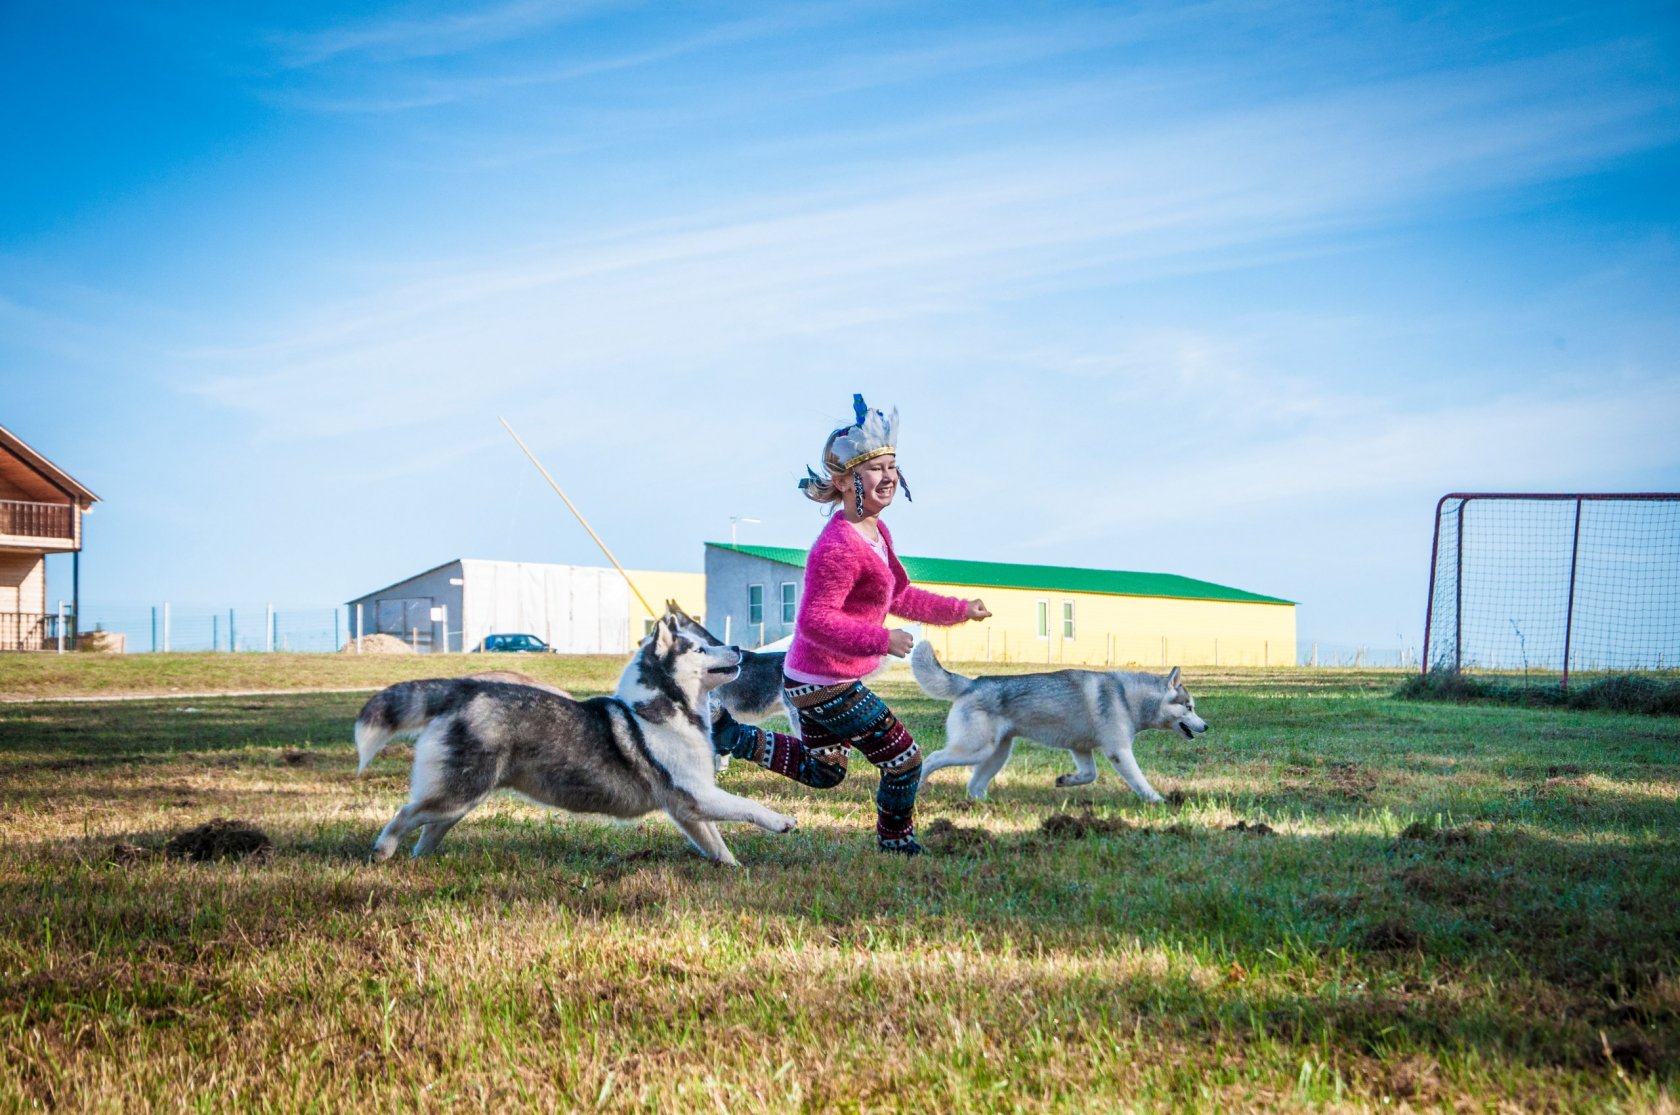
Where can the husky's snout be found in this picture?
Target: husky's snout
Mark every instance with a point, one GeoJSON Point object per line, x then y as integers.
{"type": "Point", "coordinates": [1192, 727]}
{"type": "Point", "coordinates": [731, 664]}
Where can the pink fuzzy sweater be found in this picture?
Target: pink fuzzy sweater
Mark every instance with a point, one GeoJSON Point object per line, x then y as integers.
{"type": "Point", "coordinates": [840, 632]}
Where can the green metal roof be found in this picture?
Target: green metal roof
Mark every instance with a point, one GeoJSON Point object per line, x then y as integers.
{"type": "Point", "coordinates": [1049, 578]}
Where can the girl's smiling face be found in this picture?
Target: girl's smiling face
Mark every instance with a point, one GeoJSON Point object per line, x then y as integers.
{"type": "Point", "coordinates": [880, 483]}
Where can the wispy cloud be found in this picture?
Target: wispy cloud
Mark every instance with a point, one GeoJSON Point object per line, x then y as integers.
{"type": "Point", "coordinates": [949, 237]}
{"type": "Point", "coordinates": [403, 37]}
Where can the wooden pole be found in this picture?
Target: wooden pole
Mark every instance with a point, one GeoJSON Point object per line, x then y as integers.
{"type": "Point", "coordinates": [581, 519]}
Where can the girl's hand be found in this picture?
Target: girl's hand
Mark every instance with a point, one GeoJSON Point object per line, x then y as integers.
{"type": "Point", "coordinates": [977, 610]}
{"type": "Point", "coordinates": [899, 642]}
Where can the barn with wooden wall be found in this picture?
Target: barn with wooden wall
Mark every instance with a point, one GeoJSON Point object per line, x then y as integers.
{"type": "Point", "coordinates": [1040, 613]}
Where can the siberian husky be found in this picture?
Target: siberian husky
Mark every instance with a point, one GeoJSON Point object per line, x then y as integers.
{"type": "Point", "coordinates": [757, 692]}
{"type": "Point", "coordinates": [1082, 711]}
{"type": "Point", "coordinates": [647, 747]}
{"type": "Point", "coordinates": [754, 696]}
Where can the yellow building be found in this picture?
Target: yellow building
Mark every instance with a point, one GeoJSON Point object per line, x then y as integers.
{"type": "Point", "coordinates": [1040, 613]}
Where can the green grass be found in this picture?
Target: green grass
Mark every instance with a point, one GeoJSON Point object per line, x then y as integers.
{"type": "Point", "coordinates": [1465, 906]}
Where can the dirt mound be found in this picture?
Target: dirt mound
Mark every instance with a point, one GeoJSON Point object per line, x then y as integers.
{"type": "Point", "coordinates": [1391, 936]}
{"type": "Point", "coordinates": [1351, 781]}
{"type": "Point", "coordinates": [943, 836]}
{"type": "Point", "coordinates": [378, 644]}
{"type": "Point", "coordinates": [218, 839]}
{"type": "Point", "coordinates": [1422, 830]}
{"type": "Point", "coordinates": [1077, 826]}
{"type": "Point", "coordinates": [123, 853]}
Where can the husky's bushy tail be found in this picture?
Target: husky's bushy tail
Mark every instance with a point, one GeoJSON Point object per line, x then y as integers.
{"type": "Point", "coordinates": [936, 680]}
{"type": "Point", "coordinates": [407, 706]}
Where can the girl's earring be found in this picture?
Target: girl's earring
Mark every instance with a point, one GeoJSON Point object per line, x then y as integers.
{"type": "Point", "coordinates": [857, 486]}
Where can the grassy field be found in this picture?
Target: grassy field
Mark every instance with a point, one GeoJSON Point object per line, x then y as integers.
{"type": "Point", "coordinates": [1428, 906]}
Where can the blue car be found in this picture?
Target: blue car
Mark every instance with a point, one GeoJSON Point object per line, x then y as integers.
{"type": "Point", "coordinates": [517, 644]}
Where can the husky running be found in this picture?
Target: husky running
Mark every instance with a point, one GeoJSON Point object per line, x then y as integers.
{"type": "Point", "coordinates": [647, 747]}
{"type": "Point", "coordinates": [1082, 711]}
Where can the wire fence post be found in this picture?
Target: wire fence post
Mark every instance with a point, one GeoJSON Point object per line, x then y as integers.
{"type": "Point", "coordinates": [1458, 592]}
{"type": "Point", "coordinates": [268, 635]}
{"type": "Point", "coordinates": [61, 627]}
{"type": "Point", "coordinates": [232, 644]}
{"type": "Point", "coordinates": [1569, 612]}
{"type": "Point", "coordinates": [154, 628]}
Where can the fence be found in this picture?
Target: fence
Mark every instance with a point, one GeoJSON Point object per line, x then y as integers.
{"type": "Point", "coordinates": [260, 627]}
{"type": "Point", "coordinates": [1355, 655]}
{"type": "Point", "coordinates": [37, 631]}
{"type": "Point", "coordinates": [263, 627]}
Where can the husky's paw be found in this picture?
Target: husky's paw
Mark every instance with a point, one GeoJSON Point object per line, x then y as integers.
{"type": "Point", "coordinates": [779, 822]}
{"type": "Point", "coordinates": [382, 851]}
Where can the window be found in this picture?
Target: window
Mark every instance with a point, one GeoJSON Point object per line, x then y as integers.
{"type": "Point", "coordinates": [1044, 619]}
{"type": "Point", "coordinates": [1067, 619]}
{"type": "Point", "coordinates": [788, 602]}
{"type": "Point", "coordinates": [755, 605]}
{"type": "Point", "coordinates": [647, 627]}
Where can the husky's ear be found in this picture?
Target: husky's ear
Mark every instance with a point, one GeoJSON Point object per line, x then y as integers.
{"type": "Point", "coordinates": [1172, 679]}
{"type": "Point", "coordinates": [664, 634]}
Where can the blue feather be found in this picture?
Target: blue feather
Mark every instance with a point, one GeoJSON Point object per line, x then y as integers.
{"type": "Point", "coordinates": [859, 408]}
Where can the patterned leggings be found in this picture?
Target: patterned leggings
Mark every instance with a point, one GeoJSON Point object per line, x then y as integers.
{"type": "Point", "coordinates": [832, 719]}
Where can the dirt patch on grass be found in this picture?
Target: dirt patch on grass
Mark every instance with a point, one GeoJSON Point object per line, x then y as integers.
{"type": "Point", "coordinates": [1351, 781]}
{"type": "Point", "coordinates": [1434, 884]}
{"type": "Point", "coordinates": [1574, 791]}
{"type": "Point", "coordinates": [1077, 826]}
{"type": "Point", "coordinates": [1424, 831]}
{"type": "Point", "coordinates": [296, 757]}
{"type": "Point", "coordinates": [1416, 1078]}
{"type": "Point", "coordinates": [945, 837]}
{"type": "Point", "coordinates": [124, 854]}
{"type": "Point", "coordinates": [1259, 828]}
{"type": "Point", "coordinates": [219, 839]}
{"type": "Point", "coordinates": [1391, 936]}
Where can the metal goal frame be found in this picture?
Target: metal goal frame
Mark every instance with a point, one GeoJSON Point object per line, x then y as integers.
{"type": "Point", "coordinates": [1580, 499]}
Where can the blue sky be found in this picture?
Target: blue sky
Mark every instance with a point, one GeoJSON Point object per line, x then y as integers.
{"type": "Point", "coordinates": [1228, 290]}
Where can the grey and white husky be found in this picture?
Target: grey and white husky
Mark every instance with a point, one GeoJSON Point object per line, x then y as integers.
{"type": "Point", "coordinates": [756, 693]}
{"type": "Point", "coordinates": [754, 696]}
{"type": "Point", "coordinates": [1082, 711]}
{"type": "Point", "coordinates": [647, 747]}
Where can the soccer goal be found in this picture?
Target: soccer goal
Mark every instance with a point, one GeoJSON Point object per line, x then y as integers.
{"type": "Point", "coordinates": [1552, 583]}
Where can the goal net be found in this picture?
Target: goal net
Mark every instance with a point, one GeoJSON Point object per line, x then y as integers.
{"type": "Point", "coordinates": [1554, 583]}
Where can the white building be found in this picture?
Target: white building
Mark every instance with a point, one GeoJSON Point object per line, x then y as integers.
{"type": "Point", "coordinates": [575, 609]}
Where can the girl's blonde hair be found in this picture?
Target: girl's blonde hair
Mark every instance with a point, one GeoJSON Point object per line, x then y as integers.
{"type": "Point", "coordinates": [823, 487]}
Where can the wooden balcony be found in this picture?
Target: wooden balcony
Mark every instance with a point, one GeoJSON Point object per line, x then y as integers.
{"type": "Point", "coordinates": [38, 526]}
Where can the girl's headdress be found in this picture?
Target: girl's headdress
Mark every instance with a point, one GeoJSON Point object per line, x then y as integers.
{"type": "Point", "coordinates": [872, 434]}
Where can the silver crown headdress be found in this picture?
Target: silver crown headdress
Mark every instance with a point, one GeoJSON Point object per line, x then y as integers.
{"type": "Point", "coordinates": [873, 434]}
